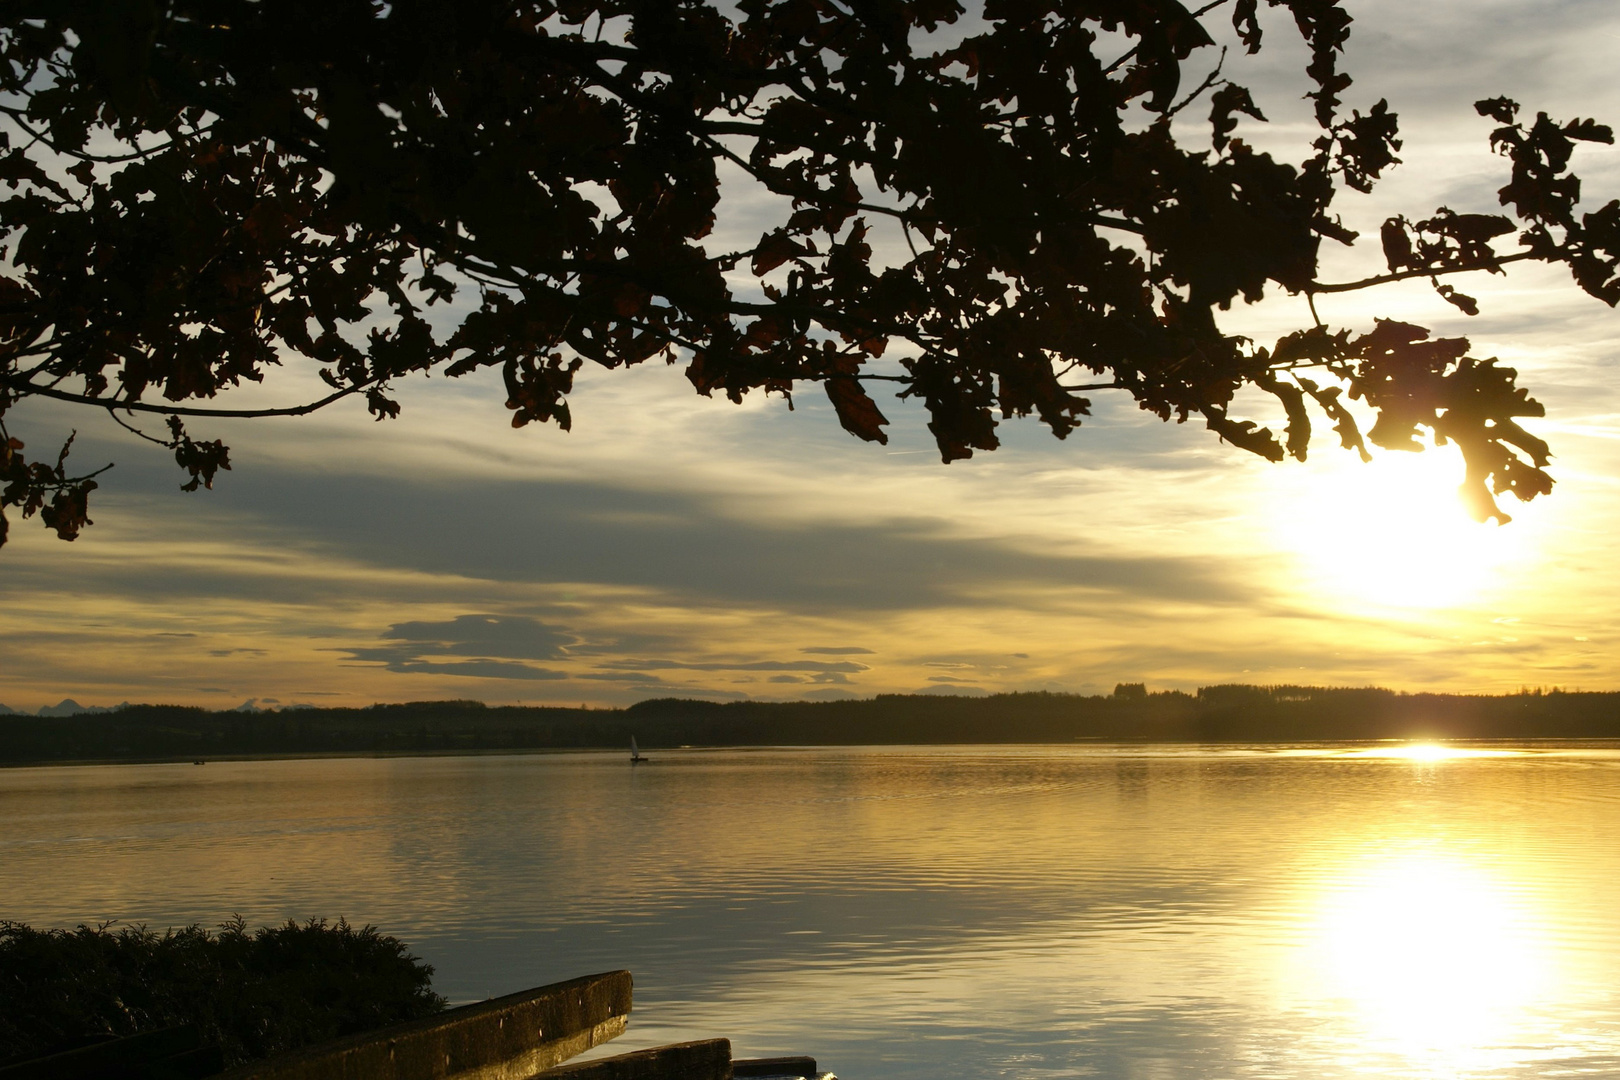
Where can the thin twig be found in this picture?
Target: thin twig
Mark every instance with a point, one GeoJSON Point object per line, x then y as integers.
{"type": "Point", "coordinates": [1209, 80]}
{"type": "Point", "coordinates": [17, 117]}
{"type": "Point", "coordinates": [25, 388]}
{"type": "Point", "coordinates": [133, 430]}
{"type": "Point", "coordinates": [1493, 263]}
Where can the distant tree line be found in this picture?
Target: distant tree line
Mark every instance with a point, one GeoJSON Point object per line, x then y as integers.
{"type": "Point", "coordinates": [1214, 714]}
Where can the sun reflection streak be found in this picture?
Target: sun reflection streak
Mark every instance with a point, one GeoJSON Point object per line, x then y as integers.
{"type": "Point", "coordinates": [1434, 956]}
{"type": "Point", "coordinates": [1428, 752]}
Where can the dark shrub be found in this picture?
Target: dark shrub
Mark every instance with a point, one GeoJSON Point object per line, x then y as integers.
{"type": "Point", "coordinates": [253, 995]}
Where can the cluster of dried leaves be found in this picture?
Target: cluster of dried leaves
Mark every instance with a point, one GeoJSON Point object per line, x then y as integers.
{"type": "Point", "coordinates": [197, 188]}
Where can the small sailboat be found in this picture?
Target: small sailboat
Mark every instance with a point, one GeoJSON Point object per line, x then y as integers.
{"type": "Point", "coordinates": [635, 754]}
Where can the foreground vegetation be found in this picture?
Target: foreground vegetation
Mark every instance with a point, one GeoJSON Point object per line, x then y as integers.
{"type": "Point", "coordinates": [1213, 714]}
{"type": "Point", "coordinates": [251, 994]}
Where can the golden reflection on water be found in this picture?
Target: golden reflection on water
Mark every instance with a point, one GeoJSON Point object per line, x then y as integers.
{"type": "Point", "coordinates": [1312, 912]}
{"type": "Point", "coordinates": [1433, 955]}
{"type": "Point", "coordinates": [1427, 752]}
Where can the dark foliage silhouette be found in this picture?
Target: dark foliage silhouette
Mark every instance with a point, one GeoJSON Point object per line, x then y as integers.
{"type": "Point", "coordinates": [252, 994]}
{"type": "Point", "coordinates": [198, 189]}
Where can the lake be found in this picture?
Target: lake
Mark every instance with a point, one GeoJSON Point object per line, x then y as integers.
{"type": "Point", "coordinates": [940, 912]}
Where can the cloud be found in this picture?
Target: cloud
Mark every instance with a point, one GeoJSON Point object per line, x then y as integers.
{"type": "Point", "coordinates": [822, 666]}
{"type": "Point", "coordinates": [840, 650]}
{"type": "Point", "coordinates": [507, 636]}
{"type": "Point", "coordinates": [477, 669]}
{"type": "Point", "coordinates": [693, 548]}
{"type": "Point", "coordinates": [635, 677]}
{"type": "Point", "coordinates": [495, 642]}
{"type": "Point", "coordinates": [593, 644]}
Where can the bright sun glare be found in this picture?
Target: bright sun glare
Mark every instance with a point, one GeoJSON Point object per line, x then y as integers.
{"type": "Point", "coordinates": [1435, 956]}
{"type": "Point", "coordinates": [1425, 752]}
{"type": "Point", "coordinates": [1394, 534]}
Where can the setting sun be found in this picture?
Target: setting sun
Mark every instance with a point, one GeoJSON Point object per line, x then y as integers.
{"type": "Point", "coordinates": [1393, 533]}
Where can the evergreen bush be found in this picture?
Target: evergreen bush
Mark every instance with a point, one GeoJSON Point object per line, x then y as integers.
{"type": "Point", "coordinates": [252, 994]}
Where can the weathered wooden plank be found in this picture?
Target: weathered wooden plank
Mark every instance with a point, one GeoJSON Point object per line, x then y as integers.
{"type": "Point", "coordinates": [797, 1065]}
{"type": "Point", "coordinates": [506, 1038]}
{"type": "Point", "coordinates": [709, 1059]}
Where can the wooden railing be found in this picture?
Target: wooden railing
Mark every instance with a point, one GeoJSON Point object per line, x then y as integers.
{"type": "Point", "coordinates": [506, 1038]}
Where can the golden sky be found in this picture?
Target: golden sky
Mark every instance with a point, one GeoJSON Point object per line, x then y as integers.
{"type": "Point", "coordinates": [673, 545]}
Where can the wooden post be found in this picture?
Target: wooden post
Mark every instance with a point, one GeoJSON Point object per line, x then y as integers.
{"type": "Point", "coordinates": [506, 1038]}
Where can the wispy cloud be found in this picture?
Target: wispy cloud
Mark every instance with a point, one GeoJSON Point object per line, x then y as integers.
{"type": "Point", "coordinates": [512, 637]}
{"type": "Point", "coordinates": [470, 669]}
{"type": "Point", "coordinates": [749, 665]}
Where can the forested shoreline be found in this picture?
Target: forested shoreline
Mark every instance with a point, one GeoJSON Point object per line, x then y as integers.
{"type": "Point", "coordinates": [1213, 714]}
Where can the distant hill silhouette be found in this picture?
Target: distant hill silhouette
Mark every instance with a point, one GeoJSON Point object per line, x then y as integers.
{"type": "Point", "coordinates": [65, 707]}
{"type": "Point", "coordinates": [69, 707]}
{"type": "Point", "coordinates": [1213, 714]}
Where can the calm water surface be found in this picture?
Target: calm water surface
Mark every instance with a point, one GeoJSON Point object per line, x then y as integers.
{"type": "Point", "coordinates": [930, 912]}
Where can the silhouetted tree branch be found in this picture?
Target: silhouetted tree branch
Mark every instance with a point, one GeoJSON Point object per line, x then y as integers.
{"type": "Point", "coordinates": [196, 190]}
